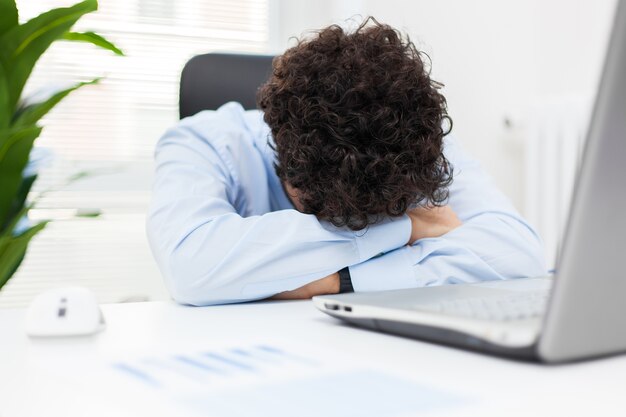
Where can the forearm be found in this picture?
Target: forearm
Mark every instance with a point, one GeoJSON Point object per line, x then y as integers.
{"type": "Point", "coordinates": [327, 285]}
{"type": "Point", "coordinates": [232, 259]}
{"type": "Point", "coordinates": [491, 246]}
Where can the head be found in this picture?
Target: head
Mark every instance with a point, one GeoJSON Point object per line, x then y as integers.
{"type": "Point", "coordinates": [358, 125]}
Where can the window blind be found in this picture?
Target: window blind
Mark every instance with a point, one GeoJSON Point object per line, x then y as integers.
{"type": "Point", "coordinates": [110, 130]}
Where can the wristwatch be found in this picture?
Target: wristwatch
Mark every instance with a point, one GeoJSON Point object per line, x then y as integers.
{"type": "Point", "coordinates": [345, 281]}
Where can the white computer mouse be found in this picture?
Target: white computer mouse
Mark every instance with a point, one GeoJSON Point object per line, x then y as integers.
{"type": "Point", "coordinates": [71, 311]}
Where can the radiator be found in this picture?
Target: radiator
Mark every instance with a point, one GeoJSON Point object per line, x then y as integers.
{"type": "Point", "coordinates": [552, 151]}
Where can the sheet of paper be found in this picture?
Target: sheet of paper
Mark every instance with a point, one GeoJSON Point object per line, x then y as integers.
{"type": "Point", "coordinates": [271, 379]}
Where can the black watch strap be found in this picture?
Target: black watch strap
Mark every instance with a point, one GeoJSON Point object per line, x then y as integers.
{"type": "Point", "coordinates": [345, 281]}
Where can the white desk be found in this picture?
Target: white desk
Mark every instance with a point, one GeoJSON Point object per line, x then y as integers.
{"type": "Point", "coordinates": [494, 387]}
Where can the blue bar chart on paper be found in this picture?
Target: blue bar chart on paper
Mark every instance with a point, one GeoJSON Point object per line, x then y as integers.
{"type": "Point", "coordinates": [269, 380]}
{"type": "Point", "coordinates": [213, 367]}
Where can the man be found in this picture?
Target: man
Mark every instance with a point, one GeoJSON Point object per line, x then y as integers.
{"type": "Point", "coordinates": [342, 182]}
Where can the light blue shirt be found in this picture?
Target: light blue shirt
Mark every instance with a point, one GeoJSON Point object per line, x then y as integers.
{"type": "Point", "coordinates": [222, 229]}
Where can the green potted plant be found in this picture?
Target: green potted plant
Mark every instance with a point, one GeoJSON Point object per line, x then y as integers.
{"type": "Point", "coordinates": [21, 46]}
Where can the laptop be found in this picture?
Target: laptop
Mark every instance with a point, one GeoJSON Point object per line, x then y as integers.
{"type": "Point", "coordinates": [578, 314]}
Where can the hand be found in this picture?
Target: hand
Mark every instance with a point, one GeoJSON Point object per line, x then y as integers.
{"type": "Point", "coordinates": [327, 285]}
{"type": "Point", "coordinates": [432, 222]}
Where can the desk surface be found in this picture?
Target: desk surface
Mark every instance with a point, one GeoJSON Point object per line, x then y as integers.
{"type": "Point", "coordinates": [494, 386]}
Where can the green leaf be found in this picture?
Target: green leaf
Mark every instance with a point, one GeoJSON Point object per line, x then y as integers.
{"type": "Point", "coordinates": [10, 229]}
{"type": "Point", "coordinates": [30, 114]}
{"type": "Point", "coordinates": [94, 39]}
{"type": "Point", "coordinates": [79, 176]}
{"type": "Point", "coordinates": [13, 250]}
{"type": "Point", "coordinates": [8, 15]}
{"type": "Point", "coordinates": [88, 213]}
{"type": "Point", "coordinates": [20, 198]}
{"type": "Point", "coordinates": [15, 149]}
{"type": "Point", "coordinates": [23, 45]}
{"type": "Point", "coordinates": [5, 110]}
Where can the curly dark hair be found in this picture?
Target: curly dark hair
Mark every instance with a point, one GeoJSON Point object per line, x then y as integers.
{"type": "Point", "coordinates": [358, 125]}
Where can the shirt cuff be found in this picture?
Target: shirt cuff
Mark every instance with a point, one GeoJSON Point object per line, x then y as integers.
{"type": "Point", "coordinates": [382, 237]}
{"type": "Point", "coordinates": [392, 271]}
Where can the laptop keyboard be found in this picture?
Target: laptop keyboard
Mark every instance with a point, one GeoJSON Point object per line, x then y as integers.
{"type": "Point", "coordinates": [511, 307]}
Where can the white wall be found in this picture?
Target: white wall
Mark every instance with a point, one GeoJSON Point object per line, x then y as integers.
{"type": "Point", "coordinates": [495, 57]}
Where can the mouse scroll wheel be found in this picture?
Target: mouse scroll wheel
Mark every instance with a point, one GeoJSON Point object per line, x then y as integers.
{"type": "Point", "coordinates": [62, 308]}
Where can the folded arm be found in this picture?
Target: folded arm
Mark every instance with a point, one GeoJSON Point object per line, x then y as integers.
{"type": "Point", "coordinates": [425, 223]}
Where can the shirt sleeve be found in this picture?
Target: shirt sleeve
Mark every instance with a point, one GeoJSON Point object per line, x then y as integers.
{"type": "Point", "coordinates": [494, 242]}
{"type": "Point", "coordinates": [208, 253]}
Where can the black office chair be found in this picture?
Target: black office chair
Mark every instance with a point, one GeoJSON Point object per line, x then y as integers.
{"type": "Point", "coordinates": [210, 80]}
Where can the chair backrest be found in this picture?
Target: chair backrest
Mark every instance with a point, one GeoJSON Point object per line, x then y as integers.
{"type": "Point", "coordinates": [210, 80]}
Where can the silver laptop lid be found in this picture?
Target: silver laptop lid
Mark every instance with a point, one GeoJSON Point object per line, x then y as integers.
{"type": "Point", "coordinates": [587, 313]}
